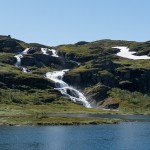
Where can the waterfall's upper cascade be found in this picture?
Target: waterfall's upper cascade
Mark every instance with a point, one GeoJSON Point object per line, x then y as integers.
{"type": "Point", "coordinates": [18, 57]}
{"type": "Point", "coordinates": [65, 89]}
{"type": "Point", "coordinates": [46, 50]}
{"type": "Point", "coordinates": [124, 52]}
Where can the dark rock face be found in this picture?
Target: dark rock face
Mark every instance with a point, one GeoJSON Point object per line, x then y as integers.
{"type": "Point", "coordinates": [113, 50]}
{"type": "Point", "coordinates": [41, 60]}
{"type": "Point", "coordinates": [108, 80]}
{"type": "Point", "coordinates": [135, 80]}
{"type": "Point", "coordinates": [112, 106]}
{"type": "Point", "coordinates": [33, 82]}
{"type": "Point", "coordinates": [127, 79]}
{"type": "Point", "coordinates": [10, 46]}
{"type": "Point", "coordinates": [142, 48]}
{"type": "Point", "coordinates": [82, 79]}
{"type": "Point", "coordinates": [97, 94]}
{"type": "Point", "coordinates": [81, 43]}
{"type": "Point", "coordinates": [88, 78]}
{"type": "Point", "coordinates": [109, 103]}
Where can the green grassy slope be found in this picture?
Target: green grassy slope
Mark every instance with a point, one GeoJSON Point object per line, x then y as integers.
{"type": "Point", "coordinates": [107, 80]}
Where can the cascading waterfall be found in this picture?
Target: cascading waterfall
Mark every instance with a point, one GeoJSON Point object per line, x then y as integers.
{"type": "Point", "coordinates": [57, 78]}
{"type": "Point", "coordinates": [18, 57]}
{"type": "Point", "coordinates": [63, 87]}
{"type": "Point", "coordinates": [46, 50]}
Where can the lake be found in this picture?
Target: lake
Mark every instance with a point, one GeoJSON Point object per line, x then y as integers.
{"type": "Point", "coordinates": [123, 136]}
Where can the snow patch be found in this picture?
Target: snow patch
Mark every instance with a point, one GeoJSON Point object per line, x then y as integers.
{"type": "Point", "coordinates": [124, 52]}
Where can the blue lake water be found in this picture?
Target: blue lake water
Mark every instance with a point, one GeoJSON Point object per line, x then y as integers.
{"type": "Point", "coordinates": [123, 136]}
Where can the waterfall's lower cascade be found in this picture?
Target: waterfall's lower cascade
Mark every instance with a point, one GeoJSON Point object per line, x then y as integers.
{"type": "Point", "coordinates": [65, 89]}
{"type": "Point", "coordinates": [18, 57]}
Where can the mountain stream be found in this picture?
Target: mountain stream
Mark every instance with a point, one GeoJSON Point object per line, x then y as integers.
{"type": "Point", "coordinates": [56, 77]}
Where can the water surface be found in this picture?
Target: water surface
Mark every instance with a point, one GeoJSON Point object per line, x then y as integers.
{"type": "Point", "coordinates": [124, 136]}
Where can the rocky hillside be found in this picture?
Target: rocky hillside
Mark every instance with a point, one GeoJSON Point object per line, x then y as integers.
{"type": "Point", "coordinates": [108, 81]}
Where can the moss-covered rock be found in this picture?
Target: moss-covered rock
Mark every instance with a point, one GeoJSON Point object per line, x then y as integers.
{"type": "Point", "coordinates": [96, 94]}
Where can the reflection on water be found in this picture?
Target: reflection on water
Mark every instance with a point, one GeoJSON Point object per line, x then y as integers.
{"type": "Point", "coordinates": [124, 136]}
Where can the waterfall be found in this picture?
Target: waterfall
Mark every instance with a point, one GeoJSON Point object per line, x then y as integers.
{"type": "Point", "coordinates": [65, 89]}
{"type": "Point", "coordinates": [46, 50]}
{"type": "Point", "coordinates": [57, 78]}
{"type": "Point", "coordinates": [18, 57]}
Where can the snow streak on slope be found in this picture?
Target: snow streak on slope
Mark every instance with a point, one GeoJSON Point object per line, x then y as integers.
{"type": "Point", "coordinates": [124, 52]}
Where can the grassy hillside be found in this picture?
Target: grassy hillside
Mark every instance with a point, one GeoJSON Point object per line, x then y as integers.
{"type": "Point", "coordinates": [107, 80]}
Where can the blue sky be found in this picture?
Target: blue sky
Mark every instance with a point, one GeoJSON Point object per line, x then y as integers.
{"type": "Point", "coordinates": [55, 22]}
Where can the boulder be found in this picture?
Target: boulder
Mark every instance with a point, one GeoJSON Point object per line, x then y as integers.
{"type": "Point", "coordinates": [96, 94]}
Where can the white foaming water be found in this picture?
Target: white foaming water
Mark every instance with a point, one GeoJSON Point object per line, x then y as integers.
{"type": "Point", "coordinates": [18, 57]}
{"type": "Point", "coordinates": [76, 62]}
{"type": "Point", "coordinates": [45, 52]}
{"type": "Point", "coordinates": [25, 51]}
{"type": "Point", "coordinates": [54, 53]}
{"type": "Point", "coordinates": [124, 52]}
{"type": "Point", "coordinates": [65, 89]}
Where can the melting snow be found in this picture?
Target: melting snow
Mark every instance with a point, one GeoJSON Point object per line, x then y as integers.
{"type": "Point", "coordinates": [124, 52]}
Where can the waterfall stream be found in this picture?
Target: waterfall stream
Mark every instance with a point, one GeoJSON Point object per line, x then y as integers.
{"type": "Point", "coordinates": [46, 51]}
{"type": "Point", "coordinates": [57, 77]}
{"type": "Point", "coordinates": [63, 87]}
{"type": "Point", "coordinates": [18, 57]}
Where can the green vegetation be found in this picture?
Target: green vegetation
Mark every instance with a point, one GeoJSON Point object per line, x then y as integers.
{"type": "Point", "coordinates": [75, 49]}
{"type": "Point", "coordinates": [135, 64]}
{"type": "Point", "coordinates": [54, 120]}
{"type": "Point", "coordinates": [108, 81]}
{"type": "Point", "coordinates": [141, 48]}
{"type": "Point", "coordinates": [131, 102]}
{"type": "Point", "coordinates": [32, 96]}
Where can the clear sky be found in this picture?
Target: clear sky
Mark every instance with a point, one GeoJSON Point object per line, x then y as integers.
{"type": "Point", "coordinates": [55, 22]}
